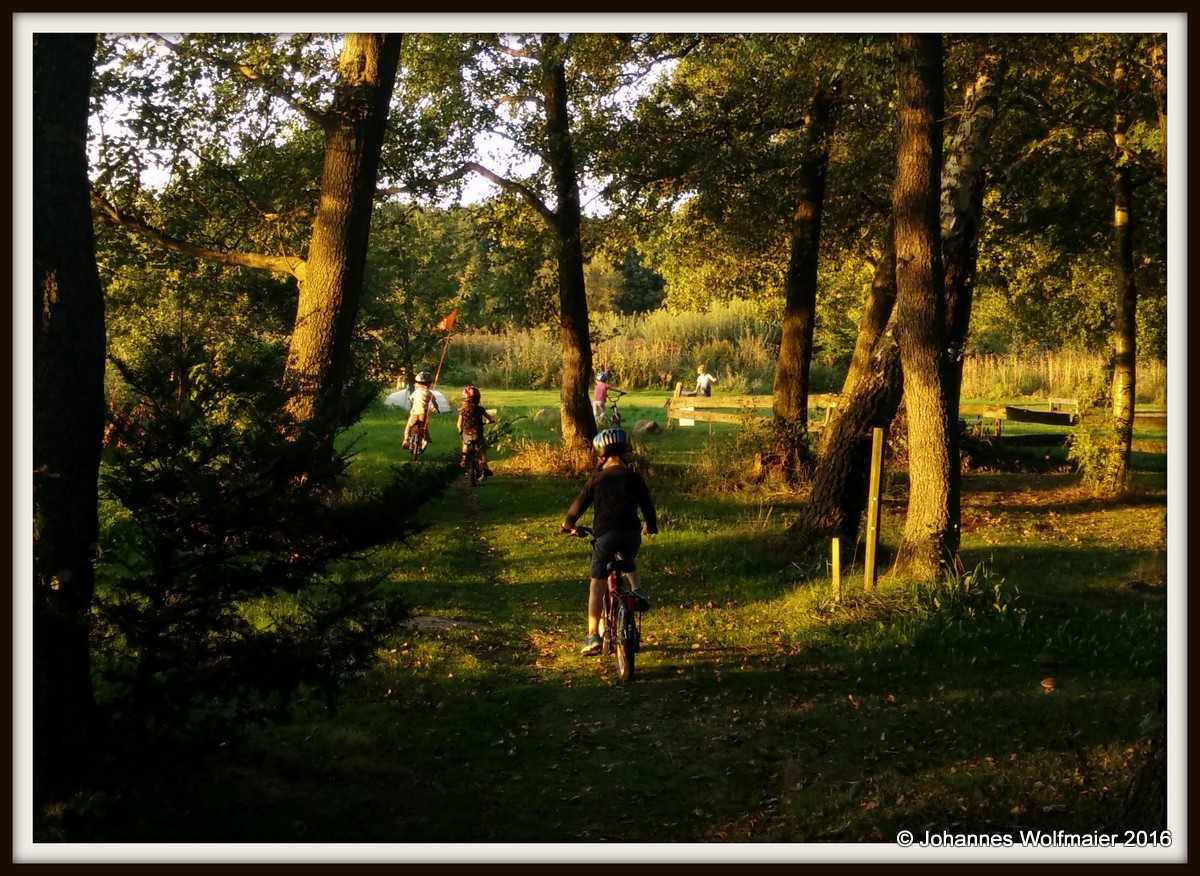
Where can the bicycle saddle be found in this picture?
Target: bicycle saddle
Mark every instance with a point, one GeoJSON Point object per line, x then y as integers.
{"type": "Point", "coordinates": [620, 564]}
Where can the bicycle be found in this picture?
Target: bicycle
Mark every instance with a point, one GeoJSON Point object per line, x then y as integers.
{"type": "Point", "coordinates": [473, 463]}
{"type": "Point", "coordinates": [418, 439]}
{"type": "Point", "coordinates": [611, 419]}
{"type": "Point", "coordinates": [621, 616]}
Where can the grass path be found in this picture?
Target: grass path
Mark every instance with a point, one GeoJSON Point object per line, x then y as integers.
{"type": "Point", "coordinates": [760, 711]}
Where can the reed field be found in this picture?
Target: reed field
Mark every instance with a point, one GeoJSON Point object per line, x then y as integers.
{"type": "Point", "coordinates": [740, 347]}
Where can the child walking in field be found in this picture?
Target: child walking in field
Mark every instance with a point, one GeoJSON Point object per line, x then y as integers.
{"type": "Point", "coordinates": [471, 417]}
{"type": "Point", "coordinates": [617, 493]}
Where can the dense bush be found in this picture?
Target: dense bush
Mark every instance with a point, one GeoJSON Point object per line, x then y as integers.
{"type": "Point", "coordinates": [218, 596]}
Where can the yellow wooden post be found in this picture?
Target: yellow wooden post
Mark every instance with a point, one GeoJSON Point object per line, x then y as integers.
{"type": "Point", "coordinates": [837, 570]}
{"type": "Point", "coordinates": [873, 507]}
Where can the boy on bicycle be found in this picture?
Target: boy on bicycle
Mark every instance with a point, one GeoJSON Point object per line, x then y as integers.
{"type": "Point", "coordinates": [421, 403]}
{"type": "Point", "coordinates": [471, 417]}
{"type": "Point", "coordinates": [618, 492]}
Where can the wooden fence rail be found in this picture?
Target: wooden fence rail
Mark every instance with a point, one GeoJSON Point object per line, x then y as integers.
{"type": "Point", "coordinates": [687, 410]}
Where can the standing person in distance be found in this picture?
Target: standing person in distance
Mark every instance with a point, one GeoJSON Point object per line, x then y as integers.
{"type": "Point", "coordinates": [471, 417]}
{"type": "Point", "coordinates": [617, 493]}
{"type": "Point", "coordinates": [421, 404]}
{"type": "Point", "coordinates": [704, 381]}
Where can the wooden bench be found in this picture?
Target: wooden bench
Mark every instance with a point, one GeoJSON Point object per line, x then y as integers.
{"type": "Point", "coordinates": [687, 410]}
{"type": "Point", "coordinates": [1055, 413]}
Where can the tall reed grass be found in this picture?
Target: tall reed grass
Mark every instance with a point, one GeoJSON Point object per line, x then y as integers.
{"type": "Point", "coordinates": [1068, 374]}
{"type": "Point", "coordinates": [740, 346]}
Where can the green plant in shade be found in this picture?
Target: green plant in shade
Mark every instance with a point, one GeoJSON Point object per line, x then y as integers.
{"type": "Point", "coordinates": [1096, 451]}
{"type": "Point", "coordinates": [215, 604]}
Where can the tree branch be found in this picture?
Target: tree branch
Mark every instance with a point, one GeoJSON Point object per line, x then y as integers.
{"type": "Point", "coordinates": [283, 264]}
{"type": "Point", "coordinates": [507, 184]}
{"type": "Point", "coordinates": [252, 75]}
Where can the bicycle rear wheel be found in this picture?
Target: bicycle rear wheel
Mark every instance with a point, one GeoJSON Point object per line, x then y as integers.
{"type": "Point", "coordinates": [627, 644]}
{"type": "Point", "coordinates": [472, 466]}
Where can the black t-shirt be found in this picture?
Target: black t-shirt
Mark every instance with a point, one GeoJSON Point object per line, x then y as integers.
{"type": "Point", "coordinates": [617, 492]}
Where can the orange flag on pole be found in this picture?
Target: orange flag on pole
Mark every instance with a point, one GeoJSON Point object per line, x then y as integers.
{"type": "Point", "coordinates": [448, 322]}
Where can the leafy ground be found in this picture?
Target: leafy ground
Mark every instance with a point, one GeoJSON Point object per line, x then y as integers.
{"type": "Point", "coordinates": [1020, 697]}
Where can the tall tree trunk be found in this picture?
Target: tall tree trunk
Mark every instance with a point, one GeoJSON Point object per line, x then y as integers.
{"type": "Point", "coordinates": [875, 315]}
{"type": "Point", "coordinates": [68, 408]}
{"type": "Point", "coordinates": [1125, 322]}
{"type": "Point", "coordinates": [961, 209]}
{"type": "Point", "coordinates": [872, 392]}
{"type": "Point", "coordinates": [878, 310]}
{"type": "Point", "coordinates": [928, 541]}
{"type": "Point", "coordinates": [790, 391]}
{"type": "Point", "coordinates": [578, 423]}
{"type": "Point", "coordinates": [331, 286]}
{"type": "Point", "coordinates": [840, 481]}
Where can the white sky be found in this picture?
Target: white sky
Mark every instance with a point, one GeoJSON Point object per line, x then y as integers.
{"type": "Point", "coordinates": [26, 24]}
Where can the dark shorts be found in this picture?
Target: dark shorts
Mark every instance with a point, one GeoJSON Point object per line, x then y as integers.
{"type": "Point", "coordinates": [623, 541]}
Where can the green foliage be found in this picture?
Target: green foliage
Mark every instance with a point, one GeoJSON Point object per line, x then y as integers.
{"type": "Point", "coordinates": [967, 595]}
{"type": "Point", "coordinates": [217, 598]}
{"type": "Point", "coordinates": [1096, 450]}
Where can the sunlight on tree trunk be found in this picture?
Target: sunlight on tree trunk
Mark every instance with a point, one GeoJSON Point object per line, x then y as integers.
{"type": "Point", "coordinates": [319, 352]}
{"type": "Point", "coordinates": [928, 540]}
{"type": "Point", "coordinates": [790, 390]}
{"type": "Point", "coordinates": [578, 424]}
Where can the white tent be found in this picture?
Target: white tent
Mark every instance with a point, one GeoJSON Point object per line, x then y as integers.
{"type": "Point", "coordinates": [400, 400]}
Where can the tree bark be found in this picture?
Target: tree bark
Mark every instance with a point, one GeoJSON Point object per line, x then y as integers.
{"type": "Point", "coordinates": [790, 391]}
{"type": "Point", "coordinates": [578, 423]}
{"type": "Point", "coordinates": [928, 543]}
{"type": "Point", "coordinates": [68, 409]}
{"type": "Point", "coordinates": [961, 209]}
{"type": "Point", "coordinates": [873, 389]}
{"type": "Point", "coordinates": [1125, 322]}
{"type": "Point", "coordinates": [319, 351]}
{"type": "Point", "coordinates": [840, 481]}
{"type": "Point", "coordinates": [875, 315]}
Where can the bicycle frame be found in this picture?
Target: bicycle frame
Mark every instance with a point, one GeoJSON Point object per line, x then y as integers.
{"type": "Point", "coordinates": [612, 417]}
{"type": "Point", "coordinates": [418, 439]}
{"type": "Point", "coordinates": [473, 465]}
{"type": "Point", "coordinates": [620, 620]}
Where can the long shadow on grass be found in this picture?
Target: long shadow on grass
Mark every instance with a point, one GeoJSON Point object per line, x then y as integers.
{"type": "Point", "coordinates": [838, 742]}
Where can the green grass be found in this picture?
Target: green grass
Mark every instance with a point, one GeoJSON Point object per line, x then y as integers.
{"type": "Point", "coordinates": [763, 710]}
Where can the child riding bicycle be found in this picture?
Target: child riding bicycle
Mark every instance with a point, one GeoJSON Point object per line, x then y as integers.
{"type": "Point", "coordinates": [618, 492]}
{"type": "Point", "coordinates": [421, 403]}
{"type": "Point", "coordinates": [471, 417]}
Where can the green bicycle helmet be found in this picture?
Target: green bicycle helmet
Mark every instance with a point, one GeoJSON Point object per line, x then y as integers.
{"type": "Point", "coordinates": [611, 442]}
